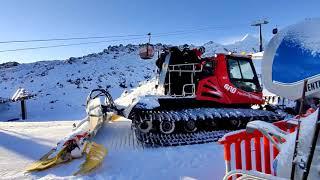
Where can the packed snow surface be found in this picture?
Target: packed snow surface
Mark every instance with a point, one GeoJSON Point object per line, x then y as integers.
{"type": "Point", "coordinates": [125, 160]}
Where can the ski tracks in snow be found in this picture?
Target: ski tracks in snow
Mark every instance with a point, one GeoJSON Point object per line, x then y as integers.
{"type": "Point", "coordinates": [21, 143]}
{"type": "Point", "coordinates": [117, 136]}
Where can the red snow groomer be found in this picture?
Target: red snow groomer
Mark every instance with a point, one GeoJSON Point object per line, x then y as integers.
{"type": "Point", "coordinates": [199, 99]}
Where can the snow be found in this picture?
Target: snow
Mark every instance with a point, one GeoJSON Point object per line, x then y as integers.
{"type": "Point", "coordinates": [125, 160]}
{"type": "Point", "coordinates": [258, 55]}
{"type": "Point", "coordinates": [62, 86]}
{"type": "Point", "coordinates": [285, 156]}
{"type": "Point", "coordinates": [60, 89]}
{"type": "Point", "coordinates": [252, 175]}
{"type": "Point", "coordinates": [144, 89]}
{"type": "Point", "coordinates": [267, 128]}
{"type": "Point", "coordinates": [290, 58]}
{"type": "Point", "coordinates": [149, 102]}
{"type": "Point", "coordinates": [310, 38]}
{"type": "Point", "coordinates": [248, 44]}
{"type": "Point", "coordinates": [24, 142]}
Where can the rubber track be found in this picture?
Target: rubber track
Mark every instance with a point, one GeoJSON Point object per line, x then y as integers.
{"type": "Point", "coordinates": [159, 140]}
{"type": "Point", "coordinates": [196, 114]}
{"type": "Point", "coordinates": [209, 113]}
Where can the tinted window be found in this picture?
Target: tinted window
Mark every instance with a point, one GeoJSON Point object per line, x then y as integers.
{"type": "Point", "coordinates": [246, 70]}
{"type": "Point", "coordinates": [242, 75]}
{"type": "Point", "coordinates": [208, 68]}
{"type": "Point", "coordinates": [234, 69]}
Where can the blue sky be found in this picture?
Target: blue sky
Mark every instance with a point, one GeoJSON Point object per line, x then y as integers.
{"type": "Point", "coordinates": [227, 20]}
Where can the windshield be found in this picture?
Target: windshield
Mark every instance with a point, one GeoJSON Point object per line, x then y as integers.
{"type": "Point", "coordinates": [242, 74]}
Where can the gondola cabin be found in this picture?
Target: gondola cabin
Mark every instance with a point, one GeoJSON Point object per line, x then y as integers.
{"type": "Point", "coordinates": [146, 52]}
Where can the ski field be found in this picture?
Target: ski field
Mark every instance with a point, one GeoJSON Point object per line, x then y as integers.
{"type": "Point", "coordinates": [159, 90]}
{"type": "Point", "coordinates": [61, 88]}
{"type": "Point", "coordinates": [24, 142]}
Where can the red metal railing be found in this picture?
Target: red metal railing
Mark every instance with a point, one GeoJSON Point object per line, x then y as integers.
{"type": "Point", "coordinates": [244, 154]}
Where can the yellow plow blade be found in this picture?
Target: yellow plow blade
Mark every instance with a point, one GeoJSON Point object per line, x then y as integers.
{"type": "Point", "coordinates": [115, 117]}
{"type": "Point", "coordinates": [45, 162]}
{"type": "Point", "coordinates": [95, 156]}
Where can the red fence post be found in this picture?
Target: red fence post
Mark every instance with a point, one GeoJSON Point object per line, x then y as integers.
{"type": "Point", "coordinates": [275, 153]}
{"type": "Point", "coordinates": [238, 155]}
{"type": "Point", "coordinates": [257, 147]}
{"type": "Point", "coordinates": [248, 154]}
{"type": "Point", "coordinates": [227, 156]}
{"type": "Point", "coordinates": [267, 163]}
{"type": "Point", "coordinates": [237, 138]}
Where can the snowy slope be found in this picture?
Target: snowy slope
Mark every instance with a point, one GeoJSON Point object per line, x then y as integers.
{"type": "Point", "coordinates": [61, 87]}
{"type": "Point", "coordinates": [248, 44]}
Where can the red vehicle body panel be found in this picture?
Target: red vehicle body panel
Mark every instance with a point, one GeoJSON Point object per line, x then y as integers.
{"type": "Point", "coordinates": [219, 88]}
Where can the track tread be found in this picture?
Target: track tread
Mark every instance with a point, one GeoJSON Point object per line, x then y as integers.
{"type": "Point", "coordinates": [221, 116]}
